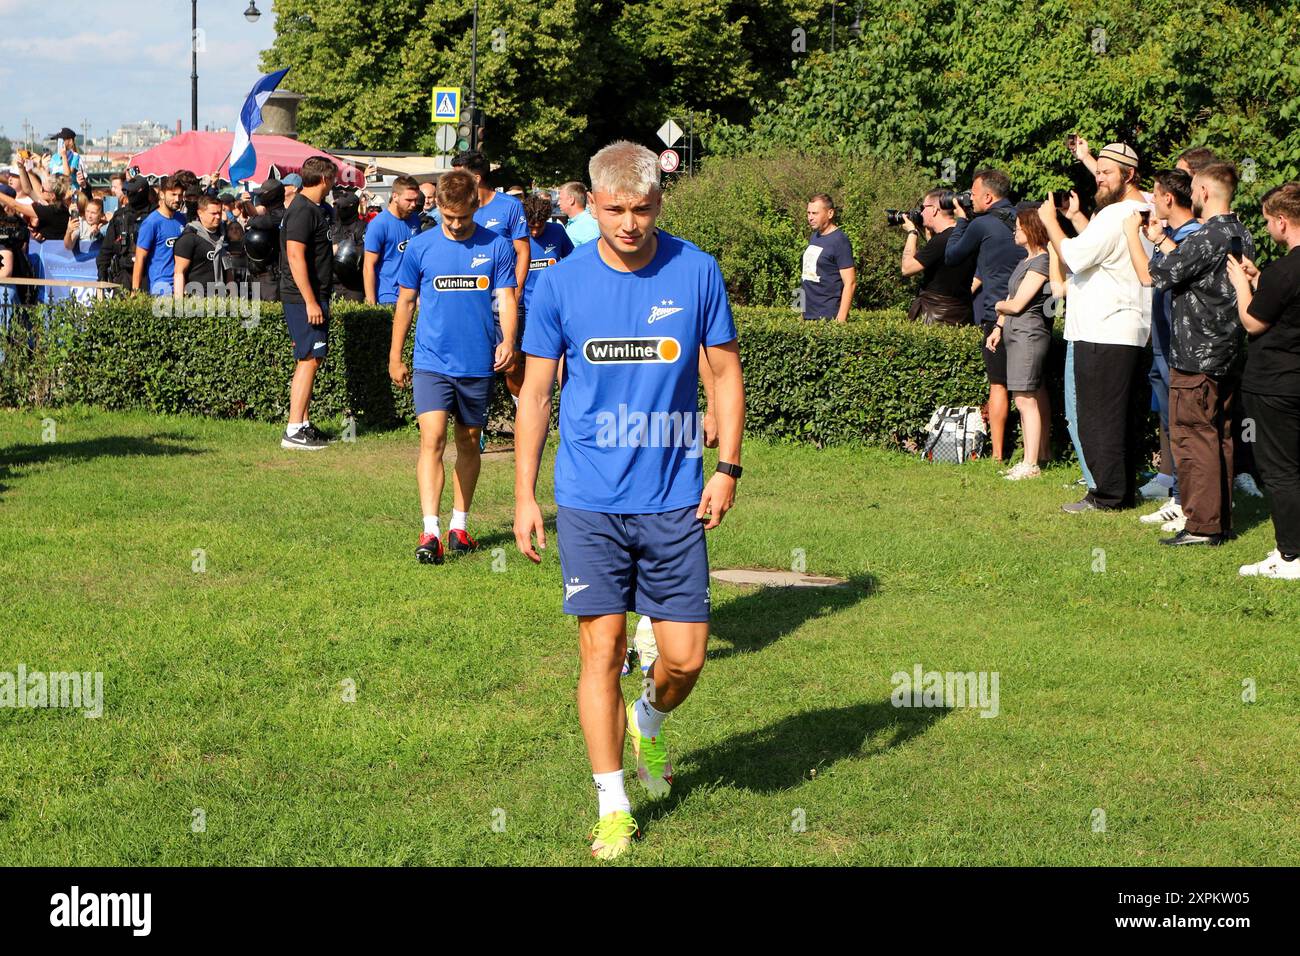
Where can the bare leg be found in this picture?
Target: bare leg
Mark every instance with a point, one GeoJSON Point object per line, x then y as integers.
{"type": "Point", "coordinates": [1045, 422]}
{"type": "Point", "coordinates": [1030, 425]}
{"type": "Point", "coordinates": [681, 658]}
{"type": "Point", "coordinates": [468, 462]}
{"type": "Point", "coordinates": [429, 474]}
{"type": "Point", "coordinates": [515, 375]}
{"type": "Point", "coordinates": [304, 374]}
{"type": "Point", "coordinates": [998, 409]}
{"type": "Point", "coordinates": [602, 642]}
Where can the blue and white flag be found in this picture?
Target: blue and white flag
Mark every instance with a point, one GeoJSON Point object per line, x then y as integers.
{"type": "Point", "coordinates": [243, 159]}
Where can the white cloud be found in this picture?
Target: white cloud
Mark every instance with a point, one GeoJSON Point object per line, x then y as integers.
{"type": "Point", "coordinates": [112, 73]}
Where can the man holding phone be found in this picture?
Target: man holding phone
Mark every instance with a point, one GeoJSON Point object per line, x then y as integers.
{"type": "Point", "coordinates": [1205, 356]}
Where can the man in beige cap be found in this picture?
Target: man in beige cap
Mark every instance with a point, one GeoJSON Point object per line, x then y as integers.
{"type": "Point", "coordinates": [1108, 318]}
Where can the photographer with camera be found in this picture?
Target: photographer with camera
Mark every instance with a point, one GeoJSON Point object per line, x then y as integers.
{"type": "Point", "coordinates": [829, 276]}
{"type": "Point", "coordinates": [945, 297]}
{"type": "Point", "coordinates": [984, 231]}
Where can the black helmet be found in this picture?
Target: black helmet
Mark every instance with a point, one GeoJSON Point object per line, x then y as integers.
{"type": "Point", "coordinates": [262, 244]}
{"type": "Point", "coordinates": [347, 258]}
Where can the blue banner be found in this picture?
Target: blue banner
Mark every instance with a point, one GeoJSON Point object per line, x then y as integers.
{"type": "Point", "coordinates": [50, 260]}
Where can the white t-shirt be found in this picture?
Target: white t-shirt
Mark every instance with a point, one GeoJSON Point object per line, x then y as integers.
{"type": "Point", "coordinates": [1104, 301]}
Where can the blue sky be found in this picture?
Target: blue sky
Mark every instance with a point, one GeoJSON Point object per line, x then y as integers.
{"type": "Point", "coordinates": [122, 61]}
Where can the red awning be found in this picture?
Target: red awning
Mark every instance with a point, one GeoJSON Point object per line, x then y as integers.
{"type": "Point", "coordinates": [200, 153]}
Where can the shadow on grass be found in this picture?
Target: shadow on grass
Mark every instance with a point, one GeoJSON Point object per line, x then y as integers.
{"type": "Point", "coordinates": [1248, 512]}
{"type": "Point", "coordinates": [764, 615]}
{"type": "Point", "coordinates": [14, 457]}
{"type": "Point", "coordinates": [784, 755]}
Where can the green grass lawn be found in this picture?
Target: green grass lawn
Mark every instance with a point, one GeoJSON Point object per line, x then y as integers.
{"type": "Point", "coordinates": [1120, 689]}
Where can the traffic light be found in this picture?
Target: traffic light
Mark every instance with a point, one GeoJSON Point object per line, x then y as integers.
{"type": "Point", "coordinates": [480, 125]}
{"type": "Point", "coordinates": [465, 129]}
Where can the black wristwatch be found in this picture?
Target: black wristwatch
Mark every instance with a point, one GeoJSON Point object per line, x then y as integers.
{"type": "Point", "coordinates": [727, 468]}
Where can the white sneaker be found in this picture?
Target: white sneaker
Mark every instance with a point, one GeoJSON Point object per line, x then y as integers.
{"type": "Point", "coordinates": [644, 642]}
{"type": "Point", "coordinates": [1175, 526]}
{"type": "Point", "coordinates": [1155, 489]}
{"type": "Point", "coordinates": [1166, 512]}
{"type": "Point", "coordinates": [1273, 567]}
{"type": "Point", "coordinates": [1246, 485]}
{"type": "Point", "coordinates": [1023, 470]}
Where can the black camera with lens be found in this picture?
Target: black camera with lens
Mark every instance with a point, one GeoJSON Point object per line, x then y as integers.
{"type": "Point", "coordinates": [896, 217]}
{"type": "Point", "coordinates": [950, 201]}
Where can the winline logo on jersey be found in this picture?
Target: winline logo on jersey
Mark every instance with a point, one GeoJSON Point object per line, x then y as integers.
{"type": "Point", "coordinates": [460, 283]}
{"type": "Point", "coordinates": [627, 429]}
{"type": "Point", "coordinates": [643, 348]}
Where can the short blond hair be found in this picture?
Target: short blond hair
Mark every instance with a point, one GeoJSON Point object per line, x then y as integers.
{"type": "Point", "coordinates": [624, 169]}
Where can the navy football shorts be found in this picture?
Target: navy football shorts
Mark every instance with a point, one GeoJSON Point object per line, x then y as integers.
{"type": "Point", "coordinates": [656, 564]}
{"type": "Point", "coordinates": [309, 341]}
{"type": "Point", "coordinates": [466, 398]}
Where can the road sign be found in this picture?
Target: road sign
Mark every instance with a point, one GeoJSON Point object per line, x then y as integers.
{"type": "Point", "coordinates": [669, 160]}
{"type": "Point", "coordinates": [446, 137]}
{"type": "Point", "coordinates": [446, 104]}
{"type": "Point", "coordinates": [670, 133]}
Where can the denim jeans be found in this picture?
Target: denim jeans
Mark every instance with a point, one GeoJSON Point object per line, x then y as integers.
{"type": "Point", "coordinates": [1072, 414]}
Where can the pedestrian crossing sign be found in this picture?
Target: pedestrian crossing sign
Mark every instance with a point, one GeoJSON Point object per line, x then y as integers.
{"type": "Point", "coordinates": [446, 104]}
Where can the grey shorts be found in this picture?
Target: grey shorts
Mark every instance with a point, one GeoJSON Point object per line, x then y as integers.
{"type": "Point", "coordinates": [1027, 341]}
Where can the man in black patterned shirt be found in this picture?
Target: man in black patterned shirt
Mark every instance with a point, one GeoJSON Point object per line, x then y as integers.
{"type": "Point", "coordinates": [1205, 355]}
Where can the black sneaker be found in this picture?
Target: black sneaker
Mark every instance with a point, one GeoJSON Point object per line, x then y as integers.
{"type": "Point", "coordinates": [318, 434]}
{"type": "Point", "coordinates": [304, 439]}
{"type": "Point", "coordinates": [1185, 538]}
{"type": "Point", "coordinates": [430, 549]}
{"type": "Point", "coordinates": [459, 542]}
{"type": "Point", "coordinates": [1083, 504]}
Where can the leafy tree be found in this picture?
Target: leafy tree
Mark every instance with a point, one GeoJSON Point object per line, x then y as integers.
{"type": "Point", "coordinates": [556, 80]}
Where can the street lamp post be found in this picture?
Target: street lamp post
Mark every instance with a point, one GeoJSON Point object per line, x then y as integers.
{"type": "Point", "coordinates": [194, 64]}
{"type": "Point", "coordinates": [473, 78]}
{"type": "Point", "coordinates": [252, 14]}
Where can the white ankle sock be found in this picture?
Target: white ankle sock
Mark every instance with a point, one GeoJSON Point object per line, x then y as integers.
{"type": "Point", "coordinates": [458, 519]}
{"type": "Point", "coordinates": [431, 525]}
{"type": "Point", "coordinates": [648, 720]}
{"type": "Point", "coordinates": [294, 428]}
{"type": "Point", "coordinates": [610, 792]}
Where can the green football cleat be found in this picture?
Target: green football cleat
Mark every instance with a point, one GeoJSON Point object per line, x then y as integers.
{"type": "Point", "coordinates": [653, 767]}
{"type": "Point", "coordinates": [613, 834]}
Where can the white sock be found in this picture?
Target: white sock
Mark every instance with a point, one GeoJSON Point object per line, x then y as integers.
{"type": "Point", "coordinates": [306, 422]}
{"type": "Point", "coordinates": [515, 399]}
{"type": "Point", "coordinates": [431, 525]}
{"type": "Point", "coordinates": [294, 428]}
{"type": "Point", "coordinates": [610, 792]}
{"type": "Point", "coordinates": [458, 520]}
{"type": "Point", "coordinates": [648, 720]}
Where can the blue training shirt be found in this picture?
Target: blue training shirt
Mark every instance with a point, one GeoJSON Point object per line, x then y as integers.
{"type": "Point", "coordinates": [454, 332]}
{"type": "Point", "coordinates": [386, 235]}
{"type": "Point", "coordinates": [157, 235]}
{"type": "Point", "coordinates": [631, 434]}
{"type": "Point", "coordinates": [504, 215]}
{"type": "Point", "coordinates": [553, 245]}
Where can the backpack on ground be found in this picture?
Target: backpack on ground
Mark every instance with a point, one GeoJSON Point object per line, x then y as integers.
{"type": "Point", "coordinates": [956, 434]}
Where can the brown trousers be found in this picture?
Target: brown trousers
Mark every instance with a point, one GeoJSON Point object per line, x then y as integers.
{"type": "Point", "coordinates": [1200, 431]}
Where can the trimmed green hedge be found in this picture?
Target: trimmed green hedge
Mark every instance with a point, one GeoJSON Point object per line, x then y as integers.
{"type": "Point", "coordinates": [875, 379]}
